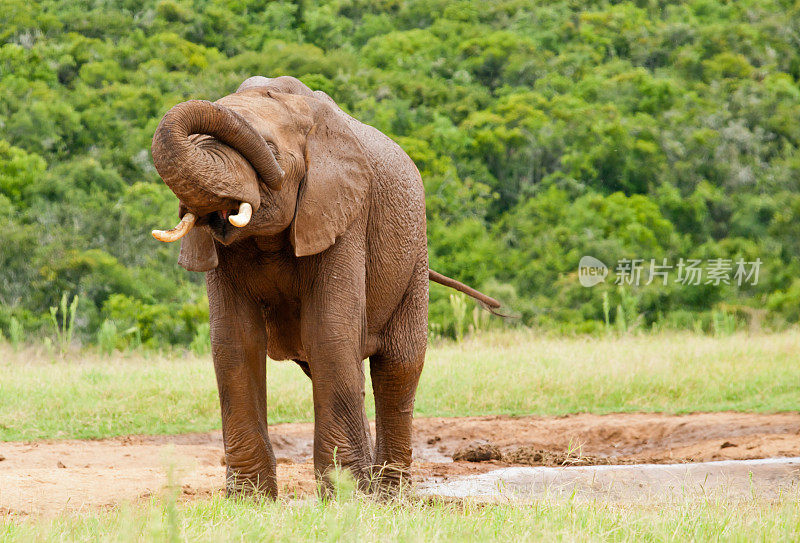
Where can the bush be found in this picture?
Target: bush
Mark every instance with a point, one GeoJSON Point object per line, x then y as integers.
{"type": "Point", "coordinates": [201, 343]}
{"type": "Point", "coordinates": [543, 131]}
{"type": "Point", "coordinates": [108, 337]}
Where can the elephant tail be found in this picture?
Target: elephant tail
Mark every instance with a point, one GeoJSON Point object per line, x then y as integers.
{"type": "Point", "coordinates": [486, 301]}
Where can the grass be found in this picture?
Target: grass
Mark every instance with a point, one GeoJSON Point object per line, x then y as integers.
{"type": "Point", "coordinates": [88, 395]}
{"type": "Point", "coordinates": [361, 519]}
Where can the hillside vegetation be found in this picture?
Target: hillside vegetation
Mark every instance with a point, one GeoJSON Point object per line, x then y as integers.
{"type": "Point", "coordinates": [544, 131]}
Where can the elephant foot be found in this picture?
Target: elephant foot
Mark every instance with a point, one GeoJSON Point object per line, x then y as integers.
{"type": "Point", "coordinates": [384, 481]}
{"type": "Point", "coordinates": [389, 480]}
{"type": "Point", "coordinates": [257, 486]}
{"type": "Point", "coordinates": [338, 481]}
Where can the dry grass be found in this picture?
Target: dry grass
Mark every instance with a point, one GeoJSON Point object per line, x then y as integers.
{"type": "Point", "coordinates": [87, 395]}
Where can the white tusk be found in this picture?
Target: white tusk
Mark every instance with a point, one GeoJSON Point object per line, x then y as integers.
{"type": "Point", "coordinates": [243, 217]}
{"type": "Point", "coordinates": [178, 232]}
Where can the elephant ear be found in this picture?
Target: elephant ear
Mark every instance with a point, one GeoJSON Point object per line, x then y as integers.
{"type": "Point", "coordinates": [336, 185]}
{"type": "Point", "coordinates": [198, 252]}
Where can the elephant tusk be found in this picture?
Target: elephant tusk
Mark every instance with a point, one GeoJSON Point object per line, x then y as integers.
{"type": "Point", "coordinates": [178, 232]}
{"type": "Point", "coordinates": [243, 217]}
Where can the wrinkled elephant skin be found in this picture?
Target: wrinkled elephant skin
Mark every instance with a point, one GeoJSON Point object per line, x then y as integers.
{"type": "Point", "coordinates": [327, 265]}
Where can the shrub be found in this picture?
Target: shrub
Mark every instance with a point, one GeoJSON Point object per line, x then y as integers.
{"type": "Point", "coordinates": [15, 332]}
{"type": "Point", "coordinates": [201, 343]}
{"type": "Point", "coordinates": [108, 337]}
{"type": "Point", "coordinates": [64, 330]}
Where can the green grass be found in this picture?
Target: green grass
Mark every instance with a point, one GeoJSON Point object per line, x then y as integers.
{"type": "Point", "coordinates": [88, 395]}
{"type": "Point", "coordinates": [360, 519]}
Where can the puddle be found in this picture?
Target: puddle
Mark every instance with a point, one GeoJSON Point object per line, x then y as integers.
{"type": "Point", "coordinates": [742, 479]}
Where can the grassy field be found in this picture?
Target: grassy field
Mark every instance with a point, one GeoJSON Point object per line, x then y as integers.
{"type": "Point", "coordinates": [87, 395]}
{"type": "Point", "coordinates": [361, 519]}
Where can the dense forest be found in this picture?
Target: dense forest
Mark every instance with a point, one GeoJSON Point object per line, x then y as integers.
{"type": "Point", "coordinates": [544, 131]}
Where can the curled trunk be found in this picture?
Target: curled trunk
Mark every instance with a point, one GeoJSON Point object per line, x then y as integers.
{"type": "Point", "coordinates": [202, 174]}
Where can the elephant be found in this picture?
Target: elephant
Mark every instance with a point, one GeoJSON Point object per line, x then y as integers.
{"type": "Point", "coordinates": [310, 227]}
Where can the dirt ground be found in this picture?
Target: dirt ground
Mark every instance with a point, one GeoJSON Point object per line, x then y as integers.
{"type": "Point", "coordinates": [51, 476]}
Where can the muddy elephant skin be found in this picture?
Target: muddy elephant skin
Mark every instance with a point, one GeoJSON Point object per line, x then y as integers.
{"type": "Point", "coordinates": [329, 268]}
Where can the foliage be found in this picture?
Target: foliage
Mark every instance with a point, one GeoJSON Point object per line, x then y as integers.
{"type": "Point", "coordinates": [107, 337]}
{"type": "Point", "coordinates": [65, 329]}
{"type": "Point", "coordinates": [458, 303]}
{"type": "Point", "coordinates": [544, 131]}
{"type": "Point", "coordinates": [201, 342]}
{"type": "Point", "coordinates": [15, 333]}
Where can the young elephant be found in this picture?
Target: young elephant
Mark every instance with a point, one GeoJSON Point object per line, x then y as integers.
{"type": "Point", "coordinates": [310, 227]}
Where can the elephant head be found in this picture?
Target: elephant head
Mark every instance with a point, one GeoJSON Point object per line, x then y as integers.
{"type": "Point", "coordinates": [272, 156]}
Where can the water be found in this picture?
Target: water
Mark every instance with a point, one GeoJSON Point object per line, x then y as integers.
{"type": "Point", "coordinates": [744, 479]}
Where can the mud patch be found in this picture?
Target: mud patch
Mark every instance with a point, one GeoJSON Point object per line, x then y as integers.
{"type": "Point", "coordinates": [51, 476]}
{"type": "Point", "coordinates": [530, 456]}
{"type": "Point", "coordinates": [477, 452]}
{"type": "Point", "coordinates": [620, 438]}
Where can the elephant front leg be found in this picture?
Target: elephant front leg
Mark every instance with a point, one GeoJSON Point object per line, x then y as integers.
{"type": "Point", "coordinates": [333, 321]}
{"type": "Point", "coordinates": [238, 344]}
{"type": "Point", "coordinates": [341, 430]}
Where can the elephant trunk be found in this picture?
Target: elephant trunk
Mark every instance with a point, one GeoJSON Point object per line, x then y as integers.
{"type": "Point", "coordinates": [200, 175]}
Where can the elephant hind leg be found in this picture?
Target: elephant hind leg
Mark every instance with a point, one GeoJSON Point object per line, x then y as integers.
{"type": "Point", "coordinates": [395, 372]}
